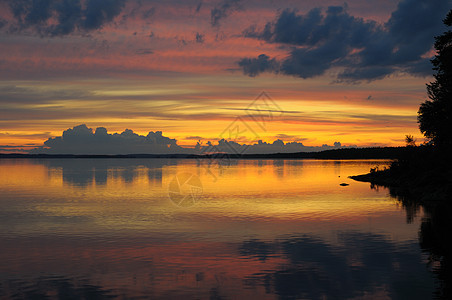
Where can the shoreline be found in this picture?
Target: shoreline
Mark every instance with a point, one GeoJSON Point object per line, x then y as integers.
{"type": "Point", "coordinates": [425, 188]}
{"type": "Point", "coordinates": [389, 153]}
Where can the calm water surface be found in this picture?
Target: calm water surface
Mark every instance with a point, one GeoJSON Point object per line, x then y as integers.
{"type": "Point", "coordinates": [256, 229]}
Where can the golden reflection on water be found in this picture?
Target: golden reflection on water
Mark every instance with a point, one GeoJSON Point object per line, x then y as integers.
{"type": "Point", "coordinates": [133, 194]}
{"type": "Point", "coordinates": [111, 223]}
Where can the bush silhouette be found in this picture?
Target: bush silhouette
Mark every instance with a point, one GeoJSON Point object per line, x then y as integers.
{"type": "Point", "coordinates": [435, 114]}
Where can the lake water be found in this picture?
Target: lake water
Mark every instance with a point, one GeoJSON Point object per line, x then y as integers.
{"type": "Point", "coordinates": [170, 229]}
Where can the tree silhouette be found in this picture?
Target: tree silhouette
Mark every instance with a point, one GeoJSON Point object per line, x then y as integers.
{"type": "Point", "coordinates": [435, 114]}
{"type": "Point", "coordinates": [410, 141]}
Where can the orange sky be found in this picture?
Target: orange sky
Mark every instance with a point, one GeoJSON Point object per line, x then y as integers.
{"type": "Point", "coordinates": [167, 67]}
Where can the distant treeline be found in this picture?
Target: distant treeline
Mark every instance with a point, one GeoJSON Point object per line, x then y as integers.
{"type": "Point", "coordinates": [346, 153]}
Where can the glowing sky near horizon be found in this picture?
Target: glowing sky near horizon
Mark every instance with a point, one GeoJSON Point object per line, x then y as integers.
{"type": "Point", "coordinates": [174, 66]}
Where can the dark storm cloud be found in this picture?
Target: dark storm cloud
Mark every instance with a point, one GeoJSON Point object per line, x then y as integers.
{"type": "Point", "coordinates": [255, 66]}
{"type": "Point", "coordinates": [62, 17]}
{"type": "Point", "coordinates": [99, 12]}
{"type": "Point", "coordinates": [222, 10]}
{"type": "Point", "coordinates": [367, 73]}
{"type": "Point", "coordinates": [365, 50]}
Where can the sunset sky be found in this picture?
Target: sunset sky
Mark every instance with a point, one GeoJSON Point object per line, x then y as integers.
{"type": "Point", "coordinates": [352, 72]}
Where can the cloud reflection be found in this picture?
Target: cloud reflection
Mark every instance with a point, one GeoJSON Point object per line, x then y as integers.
{"type": "Point", "coordinates": [86, 172]}
{"type": "Point", "coordinates": [358, 267]}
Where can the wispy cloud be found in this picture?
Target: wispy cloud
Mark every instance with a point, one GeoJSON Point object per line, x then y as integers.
{"type": "Point", "coordinates": [222, 10]}
{"type": "Point", "coordinates": [263, 110]}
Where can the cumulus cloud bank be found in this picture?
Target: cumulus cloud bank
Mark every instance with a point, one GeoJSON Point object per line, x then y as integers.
{"type": "Point", "coordinates": [62, 17]}
{"type": "Point", "coordinates": [83, 140]}
{"type": "Point", "coordinates": [260, 147]}
{"type": "Point", "coordinates": [363, 49]}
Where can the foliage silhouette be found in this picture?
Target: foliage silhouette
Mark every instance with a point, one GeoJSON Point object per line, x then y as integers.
{"type": "Point", "coordinates": [435, 114]}
{"type": "Point", "coordinates": [410, 141]}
